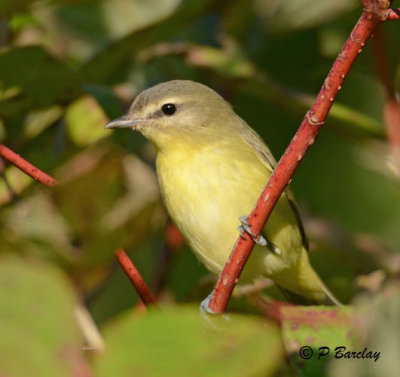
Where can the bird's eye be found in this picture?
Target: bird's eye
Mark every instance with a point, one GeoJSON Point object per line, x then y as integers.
{"type": "Point", "coordinates": [168, 109]}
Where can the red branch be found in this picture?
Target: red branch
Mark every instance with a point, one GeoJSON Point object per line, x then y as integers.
{"type": "Point", "coordinates": [26, 166]}
{"type": "Point", "coordinates": [134, 276]}
{"type": "Point", "coordinates": [308, 130]}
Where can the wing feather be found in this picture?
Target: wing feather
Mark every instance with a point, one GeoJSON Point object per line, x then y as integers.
{"type": "Point", "coordinates": [256, 143]}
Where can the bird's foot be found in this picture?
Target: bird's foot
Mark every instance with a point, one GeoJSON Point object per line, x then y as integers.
{"type": "Point", "coordinates": [258, 239]}
{"type": "Point", "coordinates": [245, 227]}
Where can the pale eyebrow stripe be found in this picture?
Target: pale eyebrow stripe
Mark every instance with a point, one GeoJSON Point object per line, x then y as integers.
{"type": "Point", "coordinates": [156, 108]}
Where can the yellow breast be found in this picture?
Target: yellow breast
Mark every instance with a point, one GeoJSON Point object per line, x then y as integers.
{"type": "Point", "coordinates": [206, 189]}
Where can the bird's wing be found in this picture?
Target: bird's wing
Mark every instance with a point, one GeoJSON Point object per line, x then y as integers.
{"type": "Point", "coordinates": [255, 141]}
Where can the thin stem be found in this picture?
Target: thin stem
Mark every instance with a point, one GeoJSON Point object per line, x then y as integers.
{"type": "Point", "coordinates": [26, 166]}
{"type": "Point", "coordinates": [134, 276]}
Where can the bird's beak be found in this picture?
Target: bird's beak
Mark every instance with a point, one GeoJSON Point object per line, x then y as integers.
{"type": "Point", "coordinates": [124, 122]}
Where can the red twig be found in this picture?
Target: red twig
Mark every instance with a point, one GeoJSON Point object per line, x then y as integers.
{"type": "Point", "coordinates": [288, 163]}
{"type": "Point", "coordinates": [134, 276]}
{"type": "Point", "coordinates": [26, 166]}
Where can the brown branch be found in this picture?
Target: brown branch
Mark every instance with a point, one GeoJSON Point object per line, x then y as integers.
{"type": "Point", "coordinates": [26, 166]}
{"type": "Point", "coordinates": [294, 153]}
{"type": "Point", "coordinates": [134, 276]}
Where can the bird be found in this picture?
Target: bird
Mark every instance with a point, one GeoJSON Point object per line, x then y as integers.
{"type": "Point", "coordinates": [211, 167]}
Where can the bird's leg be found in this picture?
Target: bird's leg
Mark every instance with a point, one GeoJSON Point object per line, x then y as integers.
{"type": "Point", "coordinates": [260, 239]}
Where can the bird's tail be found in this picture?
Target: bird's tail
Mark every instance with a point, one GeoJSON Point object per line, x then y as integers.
{"type": "Point", "coordinates": [294, 298]}
{"type": "Point", "coordinates": [303, 285]}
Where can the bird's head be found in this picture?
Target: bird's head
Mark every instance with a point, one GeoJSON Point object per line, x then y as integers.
{"type": "Point", "coordinates": [179, 110]}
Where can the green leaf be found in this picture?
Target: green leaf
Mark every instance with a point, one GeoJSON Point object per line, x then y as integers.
{"type": "Point", "coordinates": [36, 78]}
{"type": "Point", "coordinates": [178, 342]}
{"type": "Point", "coordinates": [107, 99]}
{"type": "Point", "coordinates": [85, 121]}
{"type": "Point", "coordinates": [285, 15]}
{"type": "Point", "coordinates": [116, 57]}
{"type": "Point", "coordinates": [310, 332]}
{"type": "Point", "coordinates": [37, 121]}
{"type": "Point", "coordinates": [123, 201]}
{"type": "Point", "coordinates": [38, 332]}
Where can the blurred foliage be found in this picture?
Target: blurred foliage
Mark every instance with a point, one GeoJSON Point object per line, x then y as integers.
{"type": "Point", "coordinates": [236, 347]}
{"type": "Point", "coordinates": [66, 68]}
{"type": "Point", "coordinates": [35, 299]}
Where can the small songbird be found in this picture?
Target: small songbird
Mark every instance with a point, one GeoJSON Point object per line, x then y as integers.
{"type": "Point", "coordinates": [212, 167]}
